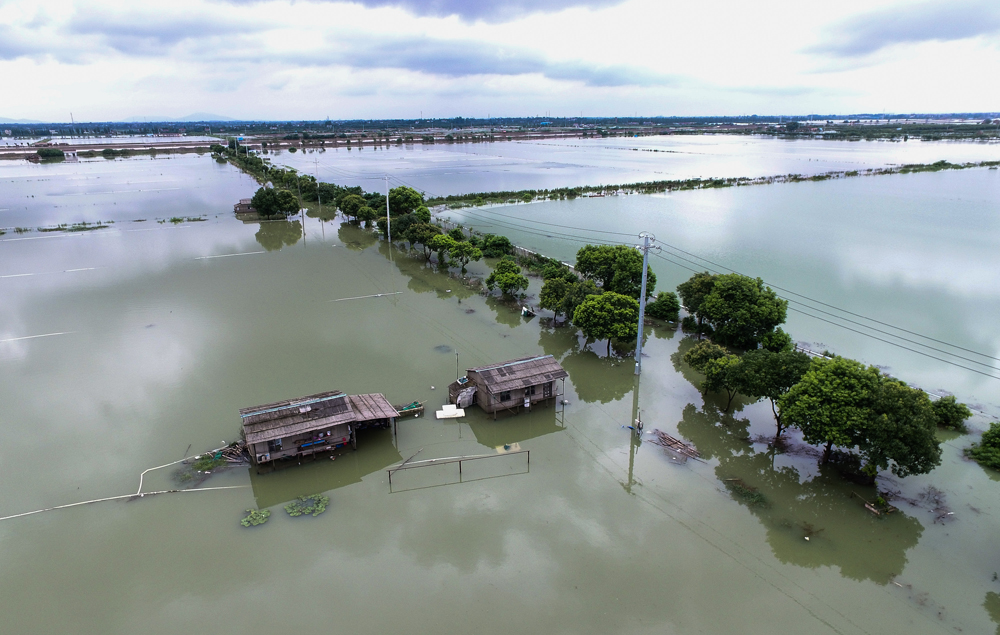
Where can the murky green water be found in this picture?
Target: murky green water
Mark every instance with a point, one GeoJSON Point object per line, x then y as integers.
{"type": "Point", "coordinates": [915, 251]}
{"type": "Point", "coordinates": [162, 342]}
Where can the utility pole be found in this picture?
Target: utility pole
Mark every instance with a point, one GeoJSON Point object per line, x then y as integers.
{"type": "Point", "coordinates": [388, 216]}
{"type": "Point", "coordinates": [647, 238]}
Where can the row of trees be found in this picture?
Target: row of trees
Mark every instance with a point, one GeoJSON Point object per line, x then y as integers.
{"type": "Point", "coordinates": [834, 402]}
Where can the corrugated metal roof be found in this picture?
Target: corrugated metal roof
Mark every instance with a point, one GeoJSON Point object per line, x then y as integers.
{"type": "Point", "coordinates": [520, 373]}
{"type": "Point", "coordinates": [323, 410]}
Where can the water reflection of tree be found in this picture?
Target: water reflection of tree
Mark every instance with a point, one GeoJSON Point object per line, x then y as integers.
{"type": "Point", "coordinates": [355, 238]}
{"type": "Point", "coordinates": [557, 341]}
{"type": "Point", "coordinates": [597, 378]}
{"type": "Point", "coordinates": [506, 313]}
{"type": "Point", "coordinates": [273, 235]}
{"type": "Point", "coordinates": [992, 606]}
{"type": "Point", "coordinates": [841, 532]}
{"type": "Point", "coordinates": [423, 277]}
{"type": "Point", "coordinates": [328, 213]}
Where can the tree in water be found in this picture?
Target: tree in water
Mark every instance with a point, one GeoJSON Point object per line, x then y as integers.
{"type": "Point", "coordinates": [463, 252]}
{"type": "Point", "coordinates": [617, 268]}
{"type": "Point", "coordinates": [507, 277]}
{"type": "Point", "coordinates": [742, 311]}
{"type": "Point", "coordinates": [769, 375]}
{"type": "Point", "coordinates": [403, 200]}
{"type": "Point", "coordinates": [608, 316]}
{"type": "Point", "coordinates": [693, 293]}
{"type": "Point", "coordinates": [951, 414]}
{"type": "Point", "coordinates": [666, 306]}
{"type": "Point", "coordinates": [845, 403]}
{"type": "Point", "coordinates": [831, 403]}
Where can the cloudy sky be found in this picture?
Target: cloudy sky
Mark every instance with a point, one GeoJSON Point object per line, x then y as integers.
{"type": "Point", "coordinates": [280, 59]}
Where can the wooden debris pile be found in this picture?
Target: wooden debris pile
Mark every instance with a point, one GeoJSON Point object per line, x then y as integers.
{"type": "Point", "coordinates": [674, 444]}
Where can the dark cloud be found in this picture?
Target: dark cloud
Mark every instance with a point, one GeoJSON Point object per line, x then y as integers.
{"type": "Point", "coordinates": [485, 9]}
{"type": "Point", "coordinates": [462, 58]}
{"type": "Point", "coordinates": [151, 34]}
{"type": "Point", "coordinates": [931, 21]}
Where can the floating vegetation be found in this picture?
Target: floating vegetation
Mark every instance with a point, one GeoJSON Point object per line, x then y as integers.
{"type": "Point", "coordinates": [177, 220]}
{"type": "Point", "coordinates": [208, 462]}
{"type": "Point", "coordinates": [256, 517]}
{"type": "Point", "coordinates": [748, 494]}
{"type": "Point", "coordinates": [314, 504]}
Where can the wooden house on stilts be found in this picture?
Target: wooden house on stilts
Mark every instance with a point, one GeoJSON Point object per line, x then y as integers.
{"type": "Point", "coordinates": [518, 383]}
{"type": "Point", "coordinates": [309, 425]}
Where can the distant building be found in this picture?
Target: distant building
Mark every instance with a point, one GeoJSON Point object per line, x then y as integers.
{"type": "Point", "coordinates": [313, 424]}
{"type": "Point", "coordinates": [518, 383]}
{"type": "Point", "coordinates": [244, 207]}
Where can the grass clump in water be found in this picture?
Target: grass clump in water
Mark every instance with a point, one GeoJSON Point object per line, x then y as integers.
{"type": "Point", "coordinates": [748, 494]}
{"type": "Point", "coordinates": [314, 504]}
{"type": "Point", "coordinates": [256, 517]}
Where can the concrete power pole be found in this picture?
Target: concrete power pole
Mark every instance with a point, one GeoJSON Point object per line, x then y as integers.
{"type": "Point", "coordinates": [388, 216]}
{"type": "Point", "coordinates": [647, 240]}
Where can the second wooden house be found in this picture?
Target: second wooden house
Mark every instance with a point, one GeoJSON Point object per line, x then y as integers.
{"type": "Point", "coordinates": [511, 385]}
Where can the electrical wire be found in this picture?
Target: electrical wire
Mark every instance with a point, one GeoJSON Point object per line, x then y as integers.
{"type": "Point", "coordinates": [812, 308]}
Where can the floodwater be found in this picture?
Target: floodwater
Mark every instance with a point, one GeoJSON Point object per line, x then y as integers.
{"type": "Point", "coordinates": [154, 339]}
{"type": "Point", "coordinates": [442, 169]}
{"type": "Point", "coordinates": [914, 251]}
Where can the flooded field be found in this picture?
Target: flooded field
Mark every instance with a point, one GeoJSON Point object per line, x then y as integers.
{"type": "Point", "coordinates": [124, 350]}
{"type": "Point", "coordinates": [442, 169]}
{"type": "Point", "coordinates": [917, 251]}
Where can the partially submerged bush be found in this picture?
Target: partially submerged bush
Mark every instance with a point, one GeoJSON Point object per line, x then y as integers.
{"type": "Point", "coordinates": [987, 451]}
{"type": "Point", "coordinates": [666, 306]}
{"type": "Point", "coordinates": [950, 413]}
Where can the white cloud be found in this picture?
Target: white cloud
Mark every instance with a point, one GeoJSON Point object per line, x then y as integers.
{"type": "Point", "coordinates": [395, 58]}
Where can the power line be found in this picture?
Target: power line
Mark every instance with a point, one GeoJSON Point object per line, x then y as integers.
{"type": "Point", "coordinates": [895, 344]}
{"type": "Point", "coordinates": [724, 268]}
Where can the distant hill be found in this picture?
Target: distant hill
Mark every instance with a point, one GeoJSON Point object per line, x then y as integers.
{"type": "Point", "coordinates": [5, 120]}
{"type": "Point", "coordinates": [197, 116]}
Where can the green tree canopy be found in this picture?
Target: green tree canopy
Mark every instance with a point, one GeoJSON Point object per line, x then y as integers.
{"type": "Point", "coordinates": [950, 413]}
{"type": "Point", "coordinates": [463, 252]}
{"type": "Point", "coordinates": [423, 214]}
{"type": "Point", "coordinates": [726, 373]}
{"type": "Point", "coordinates": [442, 244]}
{"type": "Point", "coordinates": [403, 200]}
{"type": "Point", "coordinates": [272, 203]}
{"type": "Point", "coordinates": [666, 306]}
{"type": "Point", "coordinates": [617, 268]}
{"type": "Point", "coordinates": [457, 234]}
{"type": "Point", "coordinates": [694, 291]}
{"type": "Point", "coordinates": [832, 403]}
{"type": "Point", "coordinates": [494, 246]}
{"type": "Point", "coordinates": [366, 215]}
{"type": "Point", "coordinates": [351, 204]}
{"type": "Point", "coordinates": [421, 234]}
{"type": "Point", "coordinates": [703, 352]}
{"type": "Point", "coordinates": [579, 290]}
{"type": "Point", "coordinates": [901, 432]}
{"type": "Point", "coordinates": [987, 451]}
{"type": "Point", "coordinates": [507, 277]}
{"type": "Point", "coordinates": [608, 316]}
{"type": "Point", "coordinates": [553, 294]}
{"type": "Point", "coordinates": [769, 375]}
{"type": "Point", "coordinates": [742, 311]}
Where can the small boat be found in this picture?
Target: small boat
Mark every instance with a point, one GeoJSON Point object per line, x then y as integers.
{"type": "Point", "coordinates": [527, 312]}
